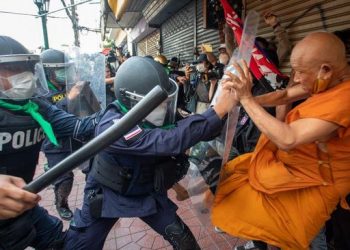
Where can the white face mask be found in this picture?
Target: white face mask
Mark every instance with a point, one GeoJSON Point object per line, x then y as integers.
{"type": "Point", "coordinates": [223, 60]}
{"type": "Point", "coordinates": [157, 116]}
{"type": "Point", "coordinates": [23, 86]}
{"type": "Point", "coordinates": [200, 68]}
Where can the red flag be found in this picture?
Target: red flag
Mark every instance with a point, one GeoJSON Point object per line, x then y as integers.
{"type": "Point", "coordinates": [260, 65]}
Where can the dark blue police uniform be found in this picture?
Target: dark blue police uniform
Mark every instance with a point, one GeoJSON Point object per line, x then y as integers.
{"type": "Point", "coordinates": [55, 154]}
{"type": "Point", "coordinates": [129, 186]}
{"type": "Point", "coordinates": [21, 138]}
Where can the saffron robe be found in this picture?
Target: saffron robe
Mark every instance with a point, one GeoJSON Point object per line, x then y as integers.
{"type": "Point", "coordinates": [285, 197]}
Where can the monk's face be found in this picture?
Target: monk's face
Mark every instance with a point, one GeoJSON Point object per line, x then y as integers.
{"type": "Point", "coordinates": [311, 73]}
{"type": "Point", "coordinates": [304, 74]}
{"type": "Point", "coordinates": [318, 61]}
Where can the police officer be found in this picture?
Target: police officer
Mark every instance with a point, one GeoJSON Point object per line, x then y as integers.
{"type": "Point", "coordinates": [131, 177]}
{"type": "Point", "coordinates": [55, 69]}
{"type": "Point", "coordinates": [25, 120]}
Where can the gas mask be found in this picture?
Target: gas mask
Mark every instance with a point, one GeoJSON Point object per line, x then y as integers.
{"type": "Point", "coordinates": [200, 68]}
{"type": "Point", "coordinates": [157, 116]}
{"type": "Point", "coordinates": [23, 86]}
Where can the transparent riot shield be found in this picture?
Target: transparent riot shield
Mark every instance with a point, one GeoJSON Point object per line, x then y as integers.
{"type": "Point", "coordinates": [85, 82]}
{"type": "Point", "coordinates": [204, 174]}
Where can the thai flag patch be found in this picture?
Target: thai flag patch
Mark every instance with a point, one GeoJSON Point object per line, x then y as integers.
{"type": "Point", "coordinates": [134, 132]}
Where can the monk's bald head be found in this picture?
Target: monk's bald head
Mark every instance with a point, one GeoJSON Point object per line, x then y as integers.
{"type": "Point", "coordinates": [319, 62]}
{"type": "Point", "coordinates": [318, 48]}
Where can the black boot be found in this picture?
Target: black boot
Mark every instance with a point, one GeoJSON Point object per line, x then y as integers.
{"type": "Point", "coordinates": [180, 236]}
{"type": "Point", "coordinates": [62, 192]}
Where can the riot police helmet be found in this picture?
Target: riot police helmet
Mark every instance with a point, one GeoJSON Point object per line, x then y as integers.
{"type": "Point", "coordinates": [21, 73]}
{"type": "Point", "coordinates": [56, 66]}
{"type": "Point", "coordinates": [139, 75]}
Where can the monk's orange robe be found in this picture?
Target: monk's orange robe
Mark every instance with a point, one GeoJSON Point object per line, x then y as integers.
{"type": "Point", "coordinates": [284, 197]}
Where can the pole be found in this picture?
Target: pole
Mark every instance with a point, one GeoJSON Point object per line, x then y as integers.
{"type": "Point", "coordinates": [43, 22]}
{"type": "Point", "coordinates": [156, 96]}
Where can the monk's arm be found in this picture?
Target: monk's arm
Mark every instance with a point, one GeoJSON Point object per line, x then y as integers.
{"type": "Point", "coordinates": [281, 97]}
{"type": "Point", "coordinates": [287, 136]}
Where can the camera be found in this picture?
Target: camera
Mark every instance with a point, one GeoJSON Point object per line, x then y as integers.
{"type": "Point", "coordinates": [214, 74]}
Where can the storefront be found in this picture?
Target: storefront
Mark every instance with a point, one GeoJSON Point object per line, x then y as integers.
{"type": "Point", "coordinates": [302, 17]}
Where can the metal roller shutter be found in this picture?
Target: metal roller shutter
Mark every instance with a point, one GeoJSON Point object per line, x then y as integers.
{"type": "Point", "coordinates": [149, 45]}
{"type": "Point", "coordinates": [336, 17]}
{"type": "Point", "coordinates": [210, 36]}
{"type": "Point", "coordinates": [177, 34]}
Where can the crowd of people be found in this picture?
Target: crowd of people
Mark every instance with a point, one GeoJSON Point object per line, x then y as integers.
{"type": "Point", "coordinates": [287, 180]}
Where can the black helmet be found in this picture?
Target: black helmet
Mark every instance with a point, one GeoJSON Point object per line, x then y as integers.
{"type": "Point", "coordinates": [55, 65]}
{"type": "Point", "coordinates": [139, 75]}
{"type": "Point", "coordinates": [52, 58]}
{"type": "Point", "coordinates": [21, 73]}
{"type": "Point", "coordinates": [9, 46]}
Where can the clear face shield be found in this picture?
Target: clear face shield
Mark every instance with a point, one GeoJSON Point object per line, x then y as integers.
{"type": "Point", "coordinates": [71, 75]}
{"type": "Point", "coordinates": [60, 73]}
{"type": "Point", "coordinates": [22, 77]}
{"type": "Point", "coordinates": [165, 113]}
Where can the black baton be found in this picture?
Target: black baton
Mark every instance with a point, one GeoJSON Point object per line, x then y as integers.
{"type": "Point", "coordinates": [155, 97]}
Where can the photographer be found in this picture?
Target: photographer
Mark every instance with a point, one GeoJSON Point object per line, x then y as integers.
{"type": "Point", "coordinates": [203, 83]}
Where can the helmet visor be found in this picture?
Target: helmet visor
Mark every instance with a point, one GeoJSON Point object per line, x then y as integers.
{"type": "Point", "coordinates": [22, 77]}
{"type": "Point", "coordinates": [61, 75]}
{"type": "Point", "coordinates": [165, 113]}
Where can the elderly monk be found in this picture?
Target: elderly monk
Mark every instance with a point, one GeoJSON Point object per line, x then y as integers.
{"type": "Point", "coordinates": [285, 190]}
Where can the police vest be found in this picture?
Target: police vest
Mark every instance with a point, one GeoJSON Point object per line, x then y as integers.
{"type": "Point", "coordinates": [56, 95]}
{"type": "Point", "coordinates": [133, 175]}
{"type": "Point", "coordinates": [20, 142]}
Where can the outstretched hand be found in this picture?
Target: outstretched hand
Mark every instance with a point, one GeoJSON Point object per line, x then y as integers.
{"type": "Point", "coordinates": [241, 82]}
{"type": "Point", "coordinates": [75, 90]}
{"type": "Point", "coordinates": [226, 101]}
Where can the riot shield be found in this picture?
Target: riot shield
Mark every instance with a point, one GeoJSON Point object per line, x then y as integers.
{"type": "Point", "coordinates": [85, 82]}
{"type": "Point", "coordinates": [204, 174]}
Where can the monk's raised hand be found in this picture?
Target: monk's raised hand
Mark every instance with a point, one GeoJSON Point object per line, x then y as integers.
{"type": "Point", "coordinates": [241, 82]}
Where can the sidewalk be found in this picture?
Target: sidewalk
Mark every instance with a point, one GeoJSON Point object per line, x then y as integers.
{"type": "Point", "coordinates": [134, 234]}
